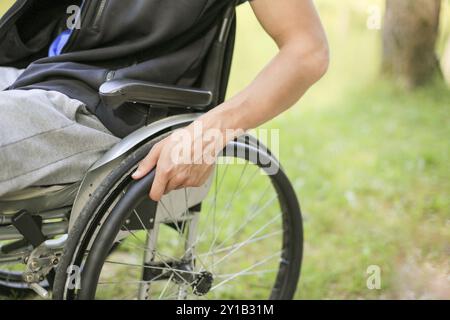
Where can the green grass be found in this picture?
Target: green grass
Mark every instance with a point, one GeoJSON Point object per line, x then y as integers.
{"type": "Point", "coordinates": [374, 185]}
{"type": "Point", "coordinates": [369, 162]}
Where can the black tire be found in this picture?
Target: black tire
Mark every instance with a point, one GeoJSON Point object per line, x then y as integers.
{"type": "Point", "coordinates": [95, 219]}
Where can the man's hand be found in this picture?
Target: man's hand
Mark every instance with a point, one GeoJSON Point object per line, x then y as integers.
{"type": "Point", "coordinates": [302, 60]}
{"type": "Point", "coordinates": [186, 158]}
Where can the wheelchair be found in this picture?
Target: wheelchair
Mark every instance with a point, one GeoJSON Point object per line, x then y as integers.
{"type": "Point", "coordinates": [238, 236]}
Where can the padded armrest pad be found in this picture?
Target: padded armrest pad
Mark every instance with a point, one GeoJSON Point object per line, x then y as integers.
{"type": "Point", "coordinates": [116, 92]}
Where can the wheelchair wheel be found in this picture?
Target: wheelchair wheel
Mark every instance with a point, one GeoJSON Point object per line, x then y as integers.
{"type": "Point", "coordinates": [242, 240]}
{"type": "Point", "coordinates": [12, 285]}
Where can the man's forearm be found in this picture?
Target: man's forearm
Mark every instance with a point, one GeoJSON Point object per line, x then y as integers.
{"type": "Point", "coordinates": [303, 58]}
{"type": "Point", "coordinates": [279, 86]}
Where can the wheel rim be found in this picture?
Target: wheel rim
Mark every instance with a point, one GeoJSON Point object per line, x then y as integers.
{"type": "Point", "coordinates": [241, 243]}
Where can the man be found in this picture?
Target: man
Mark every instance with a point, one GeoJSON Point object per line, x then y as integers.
{"type": "Point", "coordinates": [53, 125]}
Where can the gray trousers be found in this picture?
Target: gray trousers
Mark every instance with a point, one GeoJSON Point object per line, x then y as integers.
{"type": "Point", "coordinates": [46, 138]}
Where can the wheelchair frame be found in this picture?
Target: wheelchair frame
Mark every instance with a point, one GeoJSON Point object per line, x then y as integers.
{"type": "Point", "coordinates": [114, 93]}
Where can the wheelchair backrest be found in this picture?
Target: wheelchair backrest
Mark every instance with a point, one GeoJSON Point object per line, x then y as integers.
{"type": "Point", "coordinates": [217, 66]}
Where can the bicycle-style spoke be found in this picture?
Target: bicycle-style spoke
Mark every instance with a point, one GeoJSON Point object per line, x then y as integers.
{"type": "Point", "coordinates": [165, 287]}
{"type": "Point", "coordinates": [249, 239]}
{"type": "Point", "coordinates": [228, 206]}
{"type": "Point", "coordinates": [246, 270]}
{"type": "Point", "coordinates": [240, 244]}
{"type": "Point", "coordinates": [232, 241]}
{"type": "Point", "coordinates": [248, 273]}
{"type": "Point", "coordinates": [249, 219]}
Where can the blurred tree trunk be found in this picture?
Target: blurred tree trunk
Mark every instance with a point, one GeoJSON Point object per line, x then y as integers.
{"type": "Point", "coordinates": [409, 38]}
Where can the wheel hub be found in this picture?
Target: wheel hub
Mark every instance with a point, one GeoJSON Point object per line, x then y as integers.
{"type": "Point", "coordinates": [203, 283]}
{"type": "Point", "coordinates": [180, 272]}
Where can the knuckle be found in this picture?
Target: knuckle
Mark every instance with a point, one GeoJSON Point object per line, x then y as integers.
{"type": "Point", "coordinates": [163, 171]}
{"type": "Point", "coordinates": [190, 182]}
{"type": "Point", "coordinates": [155, 193]}
{"type": "Point", "coordinates": [167, 171]}
{"type": "Point", "coordinates": [176, 181]}
{"type": "Point", "coordinates": [183, 179]}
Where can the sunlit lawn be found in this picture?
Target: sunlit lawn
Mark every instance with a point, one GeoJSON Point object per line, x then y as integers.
{"type": "Point", "coordinates": [369, 162]}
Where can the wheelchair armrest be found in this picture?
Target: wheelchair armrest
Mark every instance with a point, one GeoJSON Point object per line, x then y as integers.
{"type": "Point", "coordinates": [114, 93]}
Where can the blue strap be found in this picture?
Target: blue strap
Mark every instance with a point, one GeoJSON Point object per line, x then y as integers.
{"type": "Point", "coordinates": [58, 44]}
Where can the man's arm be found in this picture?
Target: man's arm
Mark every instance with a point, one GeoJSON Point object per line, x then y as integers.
{"type": "Point", "coordinates": [302, 60]}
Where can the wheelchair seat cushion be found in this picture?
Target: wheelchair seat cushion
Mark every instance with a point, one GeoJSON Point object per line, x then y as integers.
{"type": "Point", "coordinates": [38, 199]}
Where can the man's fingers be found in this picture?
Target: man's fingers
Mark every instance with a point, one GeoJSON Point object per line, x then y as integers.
{"type": "Point", "coordinates": [148, 163]}
{"type": "Point", "coordinates": [175, 183]}
{"type": "Point", "coordinates": [159, 185]}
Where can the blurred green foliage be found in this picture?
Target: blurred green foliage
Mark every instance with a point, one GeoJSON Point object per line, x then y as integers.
{"type": "Point", "coordinates": [369, 161]}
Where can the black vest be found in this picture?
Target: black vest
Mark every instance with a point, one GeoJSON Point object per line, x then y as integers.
{"type": "Point", "coordinates": [162, 41]}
